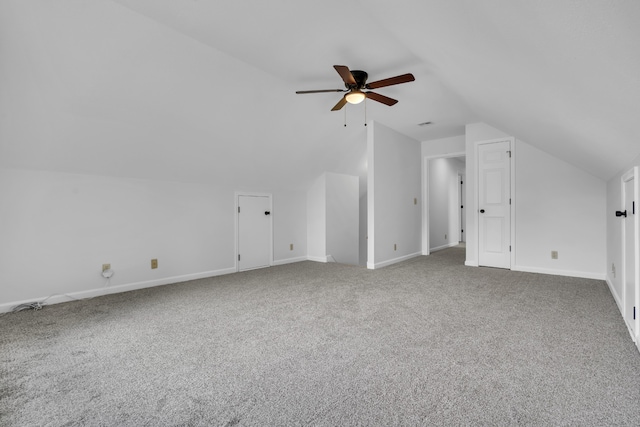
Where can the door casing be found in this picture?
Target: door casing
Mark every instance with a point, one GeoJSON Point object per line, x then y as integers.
{"type": "Point", "coordinates": [630, 225]}
{"type": "Point", "coordinates": [475, 213]}
{"type": "Point", "coordinates": [239, 194]}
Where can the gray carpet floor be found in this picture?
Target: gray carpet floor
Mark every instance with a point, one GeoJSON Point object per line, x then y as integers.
{"type": "Point", "coordinates": [424, 342]}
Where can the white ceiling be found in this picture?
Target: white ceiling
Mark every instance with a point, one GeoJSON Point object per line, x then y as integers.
{"type": "Point", "coordinates": [205, 90]}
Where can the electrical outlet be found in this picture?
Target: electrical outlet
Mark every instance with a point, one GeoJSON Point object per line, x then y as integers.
{"type": "Point", "coordinates": [290, 246]}
{"type": "Point", "coordinates": [395, 247]}
{"type": "Point", "coordinates": [613, 270]}
{"type": "Point", "coordinates": [154, 263]}
{"type": "Point", "coordinates": [106, 267]}
{"type": "Point", "coordinates": [554, 254]}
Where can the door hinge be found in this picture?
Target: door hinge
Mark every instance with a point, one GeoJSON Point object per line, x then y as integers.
{"type": "Point", "coordinates": [462, 207]}
{"type": "Point", "coordinates": [509, 201]}
{"type": "Point", "coordinates": [238, 257]}
{"type": "Point", "coordinates": [509, 153]}
{"type": "Point", "coordinates": [461, 182]}
{"type": "Point", "coordinates": [634, 313]}
{"type": "Point", "coordinates": [238, 209]}
{"type": "Point", "coordinates": [633, 207]}
{"type": "Point", "coordinates": [509, 248]}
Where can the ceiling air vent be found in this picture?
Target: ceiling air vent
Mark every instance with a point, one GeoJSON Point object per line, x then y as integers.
{"type": "Point", "coordinates": [424, 124]}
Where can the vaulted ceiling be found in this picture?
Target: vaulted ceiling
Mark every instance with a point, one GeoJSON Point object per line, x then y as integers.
{"type": "Point", "coordinates": [205, 90]}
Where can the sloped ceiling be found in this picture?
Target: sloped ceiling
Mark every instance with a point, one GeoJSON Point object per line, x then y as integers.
{"type": "Point", "coordinates": [205, 90]}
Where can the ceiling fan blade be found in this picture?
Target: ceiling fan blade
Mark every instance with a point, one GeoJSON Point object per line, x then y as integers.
{"type": "Point", "coordinates": [346, 75]}
{"type": "Point", "coordinates": [340, 104]}
{"type": "Point", "coordinates": [320, 91]}
{"type": "Point", "coordinates": [381, 98]}
{"type": "Point", "coordinates": [405, 78]}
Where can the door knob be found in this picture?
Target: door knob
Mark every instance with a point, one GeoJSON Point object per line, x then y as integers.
{"type": "Point", "coordinates": [624, 214]}
{"type": "Point", "coordinates": [481, 210]}
{"type": "Point", "coordinates": [267, 213]}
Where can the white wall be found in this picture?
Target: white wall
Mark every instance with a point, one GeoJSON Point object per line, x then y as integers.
{"type": "Point", "coordinates": [317, 220]}
{"type": "Point", "coordinates": [289, 226]}
{"type": "Point", "coordinates": [443, 146]}
{"type": "Point", "coordinates": [557, 207]}
{"type": "Point", "coordinates": [58, 229]}
{"type": "Point", "coordinates": [444, 208]}
{"type": "Point", "coordinates": [343, 206]}
{"type": "Point", "coordinates": [363, 239]}
{"type": "Point", "coordinates": [614, 232]}
{"type": "Point", "coordinates": [393, 184]}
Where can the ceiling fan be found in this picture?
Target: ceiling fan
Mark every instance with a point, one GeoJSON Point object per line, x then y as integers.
{"type": "Point", "coordinates": [355, 81]}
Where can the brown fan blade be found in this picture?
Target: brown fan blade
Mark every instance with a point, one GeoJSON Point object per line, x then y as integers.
{"type": "Point", "coordinates": [340, 104]}
{"type": "Point", "coordinates": [381, 98]}
{"type": "Point", "coordinates": [405, 78]}
{"type": "Point", "coordinates": [346, 75]}
{"type": "Point", "coordinates": [320, 91]}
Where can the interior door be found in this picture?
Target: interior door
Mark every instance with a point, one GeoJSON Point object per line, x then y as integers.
{"type": "Point", "coordinates": [494, 204]}
{"type": "Point", "coordinates": [254, 232]}
{"type": "Point", "coordinates": [463, 218]}
{"type": "Point", "coordinates": [629, 232]}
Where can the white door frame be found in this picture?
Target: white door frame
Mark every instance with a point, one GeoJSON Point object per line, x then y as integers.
{"type": "Point", "coordinates": [461, 202]}
{"type": "Point", "coordinates": [476, 189]}
{"type": "Point", "coordinates": [237, 224]}
{"type": "Point", "coordinates": [628, 176]}
{"type": "Point", "coordinates": [425, 195]}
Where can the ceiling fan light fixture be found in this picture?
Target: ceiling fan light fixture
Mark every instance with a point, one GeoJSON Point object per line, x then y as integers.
{"type": "Point", "coordinates": [355, 97]}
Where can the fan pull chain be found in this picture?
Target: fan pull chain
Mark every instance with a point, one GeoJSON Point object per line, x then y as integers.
{"type": "Point", "coordinates": [365, 111]}
{"type": "Point", "coordinates": [345, 116]}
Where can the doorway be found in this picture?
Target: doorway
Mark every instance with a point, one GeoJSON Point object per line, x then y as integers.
{"type": "Point", "coordinates": [441, 209]}
{"type": "Point", "coordinates": [461, 202]}
{"type": "Point", "coordinates": [630, 249]}
{"type": "Point", "coordinates": [494, 203]}
{"type": "Point", "coordinates": [254, 231]}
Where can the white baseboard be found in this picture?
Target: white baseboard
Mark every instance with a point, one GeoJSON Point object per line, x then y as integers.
{"type": "Point", "coordinates": [618, 301]}
{"type": "Point", "coordinates": [615, 295]}
{"type": "Point", "coordinates": [567, 273]}
{"type": "Point", "coordinates": [471, 264]}
{"type": "Point", "coordinates": [70, 296]}
{"type": "Point", "coordinates": [448, 245]}
{"type": "Point", "coordinates": [373, 266]}
{"type": "Point", "coordinates": [318, 258]}
{"type": "Point", "coordinates": [290, 260]}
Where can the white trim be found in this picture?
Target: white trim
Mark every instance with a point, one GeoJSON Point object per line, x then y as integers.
{"type": "Point", "coordinates": [448, 245]}
{"type": "Point", "coordinates": [56, 299]}
{"type": "Point", "coordinates": [567, 273]}
{"type": "Point", "coordinates": [512, 195]}
{"type": "Point", "coordinates": [621, 309]}
{"type": "Point", "coordinates": [323, 259]}
{"type": "Point", "coordinates": [425, 195]}
{"type": "Point", "coordinates": [616, 297]}
{"type": "Point", "coordinates": [237, 195]}
{"type": "Point", "coordinates": [372, 266]}
{"type": "Point", "coordinates": [630, 175]}
{"type": "Point", "coordinates": [471, 264]}
{"type": "Point", "coordinates": [290, 260]}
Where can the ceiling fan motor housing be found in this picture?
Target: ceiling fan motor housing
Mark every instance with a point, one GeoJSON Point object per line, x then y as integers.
{"type": "Point", "coordinates": [360, 77]}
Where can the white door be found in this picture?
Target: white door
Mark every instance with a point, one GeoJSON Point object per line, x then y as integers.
{"type": "Point", "coordinates": [463, 218]}
{"type": "Point", "coordinates": [254, 232]}
{"type": "Point", "coordinates": [628, 240]}
{"type": "Point", "coordinates": [494, 204]}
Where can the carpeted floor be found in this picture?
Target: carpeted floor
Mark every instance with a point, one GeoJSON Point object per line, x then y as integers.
{"type": "Point", "coordinates": [424, 342]}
